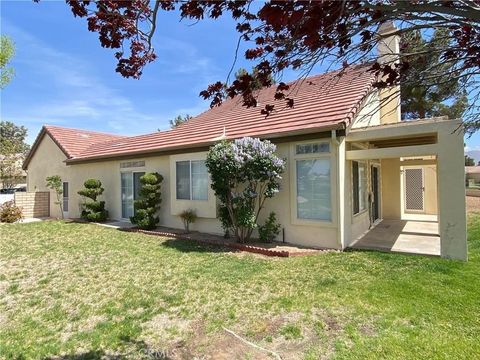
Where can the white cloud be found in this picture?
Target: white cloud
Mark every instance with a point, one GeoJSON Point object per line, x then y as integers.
{"type": "Point", "coordinates": [472, 148]}
{"type": "Point", "coordinates": [192, 63]}
{"type": "Point", "coordinates": [79, 95]}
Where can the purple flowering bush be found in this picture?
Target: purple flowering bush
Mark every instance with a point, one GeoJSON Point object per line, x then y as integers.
{"type": "Point", "coordinates": [244, 174]}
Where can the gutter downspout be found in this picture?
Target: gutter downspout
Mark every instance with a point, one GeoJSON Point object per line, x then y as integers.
{"type": "Point", "coordinates": [334, 137]}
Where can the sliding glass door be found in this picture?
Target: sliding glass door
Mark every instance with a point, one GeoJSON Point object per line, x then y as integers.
{"type": "Point", "coordinates": [130, 191]}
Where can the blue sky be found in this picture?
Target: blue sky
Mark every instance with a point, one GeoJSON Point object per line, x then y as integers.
{"type": "Point", "coordinates": [64, 77]}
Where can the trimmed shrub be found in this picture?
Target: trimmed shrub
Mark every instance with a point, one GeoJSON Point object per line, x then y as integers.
{"type": "Point", "coordinates": [269, 231]}
{"type": "Point", "coordinates": [94, 210]}
{"type": "Point", "coordinates": [148, 205]}
{"type": "Point", "coordinates": [188, 216]}
{"type": "Point", "coordinates": [10, 213]}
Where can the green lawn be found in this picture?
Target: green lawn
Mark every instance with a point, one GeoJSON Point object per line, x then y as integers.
{"type": "Point", "coordinates": [79, 291]}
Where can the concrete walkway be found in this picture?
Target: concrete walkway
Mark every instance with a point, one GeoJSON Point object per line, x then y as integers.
{"type": "Point", "coordinates": [412, 237]}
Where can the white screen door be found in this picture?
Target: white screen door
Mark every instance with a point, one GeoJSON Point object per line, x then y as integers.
{"type": "Point", "coordinates": [414, 181]}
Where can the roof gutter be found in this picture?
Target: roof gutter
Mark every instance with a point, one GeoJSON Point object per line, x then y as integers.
{"type": "Point", "coordinates": [331, 130]}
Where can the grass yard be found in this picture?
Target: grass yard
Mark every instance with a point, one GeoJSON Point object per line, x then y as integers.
{"type": "Point", "coordinates": [79, 291]}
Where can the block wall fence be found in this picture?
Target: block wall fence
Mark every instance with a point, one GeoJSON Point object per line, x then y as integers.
{"type": "Point", "coordinates": [33, 204]}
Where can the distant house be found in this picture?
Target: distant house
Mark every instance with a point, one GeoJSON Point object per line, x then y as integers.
{"type": "Point", "coordinates": [11, 172]}
{"type": "Point", "coordinates": [351, 163]}
{"type": "Point", "coordinates": [472, 175]}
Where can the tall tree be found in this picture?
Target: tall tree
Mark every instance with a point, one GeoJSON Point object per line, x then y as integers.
{"type": "Point", "coordinates": [256, 82]}
{"type": "Point", "coordinates": [299, 35]}
{"type": "Point", "coordinates": [7, 50]}
{"type": "Point", "coordinates": [179, 120]}
{"type": "Point", "coordinates": [420, 98]}
{"type": "Point", "coordinates": [13, 149]}
{"type": "Point", "coordinates": [469, 161]}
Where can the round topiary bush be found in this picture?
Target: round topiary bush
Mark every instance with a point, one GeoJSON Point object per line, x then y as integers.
{"type": "Point", "coordinates": [148, 205]}
{"type": "Point", "coordinates": [94, 210]}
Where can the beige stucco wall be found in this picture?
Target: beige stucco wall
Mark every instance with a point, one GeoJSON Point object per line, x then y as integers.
{"type": "Point", "coordinates": [451, 191]}
{"type": "Point", "coordinates": [369, 114]}
{"type": "Point", "coordinates": [355, 224]}
{"type": "Point", "coordinates": [391, 188]}
{"type": "Point", "coordinates": [431, 207]}
{"type": "Point", "coordinates": [390, 105]}
{"type": "Point", "coordinates": [49, 160]}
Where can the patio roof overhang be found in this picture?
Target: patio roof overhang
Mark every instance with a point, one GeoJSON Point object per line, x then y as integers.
{"type": "Point", "coordinates": [433, 140]}
{"type": "Point", "coordinates": [405, 139]}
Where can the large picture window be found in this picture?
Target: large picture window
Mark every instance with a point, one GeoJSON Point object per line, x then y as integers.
{"type": "Point", "coordinates": [313, 184]}
{"type": "Point", "coordinates": [359, 179]}
{"type": "Point", "coordinates": [191, 180]}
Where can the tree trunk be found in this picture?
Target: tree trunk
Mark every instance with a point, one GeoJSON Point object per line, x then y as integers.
{"type": "Point", "coordinates": [421, 113]}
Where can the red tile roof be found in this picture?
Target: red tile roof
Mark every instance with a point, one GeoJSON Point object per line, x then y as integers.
{"type": "Point", "coordinates": [72, 142]}
{"type": "Point", "coordinates": [321, 102]}
{"type": "Point", "coordinates": [472, 169]}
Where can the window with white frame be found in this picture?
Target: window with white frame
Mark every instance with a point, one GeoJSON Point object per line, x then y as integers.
{"type": "Point", "coordinates": [191, 180]}
{"type": "Point", "coordinates": [359, 182]}
{"type": "Point", "coordinates": [65, 196]}
{"type": "Point", "coordinates": [313, 182]}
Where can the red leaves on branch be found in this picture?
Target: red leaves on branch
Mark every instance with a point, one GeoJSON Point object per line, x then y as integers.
{"type": "Point", "coordinates": [254, 53]}
{"type": "Point", "coordinates": [467, 39]}
{"type": "Point", "coordinates": [284, 34]}
{"type": "Point", "coordinates": [117, 23]}
{"type": "Point", "coordinates": [215, 92]}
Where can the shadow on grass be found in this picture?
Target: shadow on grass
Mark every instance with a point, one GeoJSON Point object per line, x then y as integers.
{"type": "Point", "coordinates": [140, 350]}
{"type": "Point", "coordinates": [189, 246]}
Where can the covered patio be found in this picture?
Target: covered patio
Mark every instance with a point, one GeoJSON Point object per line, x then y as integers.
{"type": "Point", "coordinates": [421, 186]}
{"type": "Point", "coordinates": [402, 236]}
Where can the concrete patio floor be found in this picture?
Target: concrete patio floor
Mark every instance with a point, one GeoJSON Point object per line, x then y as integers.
{"type": "Point", "coordinates": [403, 236]}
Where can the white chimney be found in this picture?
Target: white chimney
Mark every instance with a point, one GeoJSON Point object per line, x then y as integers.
{"type": "Point", "coordinates": [388, 49]}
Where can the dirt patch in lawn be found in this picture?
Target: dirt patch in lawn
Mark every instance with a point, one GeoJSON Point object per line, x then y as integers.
{"type": "Point", "coordinates": [286, 335]}
{"type": "Point", "coordinates": [473, 204]}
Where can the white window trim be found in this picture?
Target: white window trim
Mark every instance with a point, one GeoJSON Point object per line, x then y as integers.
{"type": "Point", "coordinates": [191, 182]}
{"type": "Point", "coordinates": [333, 184]}
{"type": "Point", "coordinates": [361, 212]}
{"type": "Point", "coordinates": [204, 209]}
{"type": "Point", "coordinates": [65, 198]}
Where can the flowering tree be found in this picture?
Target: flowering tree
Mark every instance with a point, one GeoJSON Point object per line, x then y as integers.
{"type": "Point", "coordinates": [244, 174]}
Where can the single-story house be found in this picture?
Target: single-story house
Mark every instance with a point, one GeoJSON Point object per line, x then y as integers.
{"type": "Point", "coordinates": [472, 175]}
{"type": "Point", "coordinates": [351, 163]}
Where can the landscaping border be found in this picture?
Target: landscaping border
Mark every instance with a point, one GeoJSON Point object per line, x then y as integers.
{"type": "Point", "coordinates": [232, 245]}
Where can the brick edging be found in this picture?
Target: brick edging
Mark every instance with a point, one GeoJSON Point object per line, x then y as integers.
{"type": "Point", "coordinates": [236, 246]}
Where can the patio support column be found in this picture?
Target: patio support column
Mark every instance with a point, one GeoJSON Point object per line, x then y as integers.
{"type": "Point", "coordinates": [451, 193]}
{"type": "Point", "coordinates": [343, 225]}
